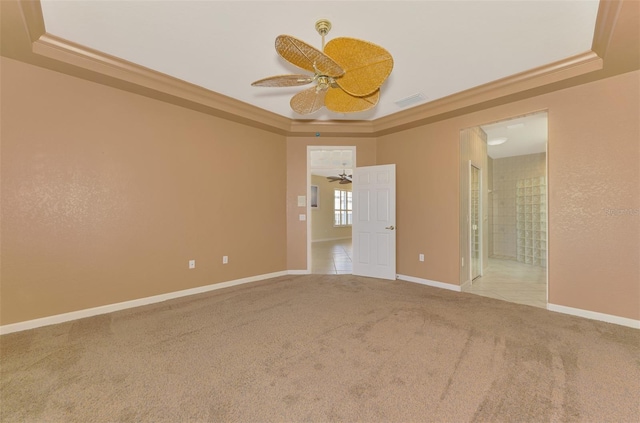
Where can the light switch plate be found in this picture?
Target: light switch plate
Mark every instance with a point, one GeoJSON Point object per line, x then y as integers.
{"type": "Point", "coordinates": [302, 200]}
{"type": "Point", "coordinates": [302, 217]}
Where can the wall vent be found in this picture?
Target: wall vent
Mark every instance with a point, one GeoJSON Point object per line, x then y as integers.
{"type": "Point", "coordinates": [412, 99]}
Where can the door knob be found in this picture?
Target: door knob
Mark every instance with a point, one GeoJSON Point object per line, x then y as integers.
{"type": "Point", "coordinates": [390, 227]}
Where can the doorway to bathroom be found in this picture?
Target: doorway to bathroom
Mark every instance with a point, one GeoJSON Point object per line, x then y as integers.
{"type": "Point", "coordinates": [504, 209]}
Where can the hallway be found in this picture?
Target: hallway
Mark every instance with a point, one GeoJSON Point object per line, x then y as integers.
{"type": "Point", "coordinates": [331, 257]}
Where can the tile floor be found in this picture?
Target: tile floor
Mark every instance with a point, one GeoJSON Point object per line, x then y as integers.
{"type": "Point", "coordinates": [331, 257]}
{"type": "Point", "coordinates": [512, 281]}
{"type": "Point", "coordinates": [506, 280]}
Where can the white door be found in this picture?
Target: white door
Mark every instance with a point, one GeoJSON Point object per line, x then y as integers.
{"type": "Point", "coordinates": [374, 219]}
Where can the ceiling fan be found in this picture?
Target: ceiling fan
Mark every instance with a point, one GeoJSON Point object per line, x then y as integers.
{"type": "Point", "coordinates": [347, 72]}
{"type": "Point", "coordinates": [343, 178]}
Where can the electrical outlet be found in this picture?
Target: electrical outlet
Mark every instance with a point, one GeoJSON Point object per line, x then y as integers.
{"type": "Point", "coordinates": [421, 257]}
{"type": "Point", "coordinates": [225, 259]}
{"type": "Point", "coordinates": [192, 264]}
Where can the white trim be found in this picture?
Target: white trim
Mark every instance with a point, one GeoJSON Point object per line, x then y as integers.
{"type": "Point", "coordinates": [110, 308]}
{"type": "Point", "coordinates": [594, 315]}
{"type": "Point", "coordinates": [587, 314]}
{"type": "Point", "coordinates": [80, 314]}
{"type": "Point", "coordinates": [435, 284]}
{"type": "Point", "coordinates": [299, 272]}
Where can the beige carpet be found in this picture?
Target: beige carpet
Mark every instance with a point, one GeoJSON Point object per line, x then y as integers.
{"type": "Point", "coordinates": [321, 349]}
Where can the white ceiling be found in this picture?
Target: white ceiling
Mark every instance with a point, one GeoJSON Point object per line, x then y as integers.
{"type": "Point", "coordinates": [525, 135]}
{"type": "Point", "coordinates": [439, 47]}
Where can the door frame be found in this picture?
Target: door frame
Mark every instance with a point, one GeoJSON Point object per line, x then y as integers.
{"type": "Point", "coordinates": [308, 212]}
{"type": "Point", "coordinates": [549, 116]}
{"type": "Point", "coordinates": [480, 222]}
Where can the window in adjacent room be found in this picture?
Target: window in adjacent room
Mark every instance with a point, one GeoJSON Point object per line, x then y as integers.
{"type": "Point", "coordinates": [343, 208]}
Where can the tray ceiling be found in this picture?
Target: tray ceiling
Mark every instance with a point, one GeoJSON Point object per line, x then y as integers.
{"type": "Point", "coordinates": [439, 47]}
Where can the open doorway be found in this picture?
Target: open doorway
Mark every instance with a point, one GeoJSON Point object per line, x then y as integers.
{"type": "Point", "coordinates": [331, 209]}
{"type": "Point", "coordinates": [512, 206]}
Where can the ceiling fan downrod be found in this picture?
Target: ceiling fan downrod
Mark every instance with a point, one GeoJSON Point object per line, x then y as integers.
{"type": "Point", "coordinates": [323, 26]}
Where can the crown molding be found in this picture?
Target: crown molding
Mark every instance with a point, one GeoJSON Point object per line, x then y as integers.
{"type": "Point", "coordinates": [544, 75]}
{"type": "Point", "coordinates": [74, 54]}
{"type": "Point", "coordinates": [608, 12]}
{"type": "Point", "coordinates": [32, 16]}
{"type": "Point", "coordinates": [335, 128]}
{"type": "Point", "coordinates": [77, 60]}
{"type": "Point", "coordinates": [69, 52]}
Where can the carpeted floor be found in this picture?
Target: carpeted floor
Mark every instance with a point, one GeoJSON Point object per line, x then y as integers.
{"type": "Point", "coordinates": [323, 348]}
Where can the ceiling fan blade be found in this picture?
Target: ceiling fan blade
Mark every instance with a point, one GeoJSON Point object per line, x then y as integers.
{"type": "Point", "coordinates": [340, 101]}
{"type": "Point", "coordinates": [345, 181]}
{"type": "Point", "coordinates": [305, 56]}
{"type": "Point", "coordinates": [366, 65]}
{"type": "Point", "coordinates": [308, 101]}
{"type": "Point", "coordinates": [283, 81]}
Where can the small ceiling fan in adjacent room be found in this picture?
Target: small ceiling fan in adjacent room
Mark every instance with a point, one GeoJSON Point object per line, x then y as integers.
{"type": "Point", "coordinates": [343, 178]}
{"type": "Point", "coordinates": [347, 72]}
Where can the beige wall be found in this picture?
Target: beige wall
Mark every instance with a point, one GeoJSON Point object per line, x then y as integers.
{"type": "Point", "coordinates": [322, 218]}
{"type": "Point", "coordinates": [594, 200]}
{"type": "Point", "coordinates": [106, 195]}
{"type": "Point", "coordinates": [506, 173]}
{"type": "Point", "coordinates": [594, 175]}
{"type": "Point", "coordinates": [427, 199]}
{"type": "Point", "coordinates": [297, 185]}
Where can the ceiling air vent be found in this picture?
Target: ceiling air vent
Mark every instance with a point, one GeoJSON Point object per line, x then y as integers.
{"type": "Point", "coordinates": [411, 100]}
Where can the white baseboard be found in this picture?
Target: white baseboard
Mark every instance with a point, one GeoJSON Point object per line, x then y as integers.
{"type": "Point", "coordinates": [435, 284]}
{"type": "Point", "coordinates": [609, 318]}
{"type": "Point", "coordinates": [298, 272]}
{"type": "Point", "coordinates": [80, 314]}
